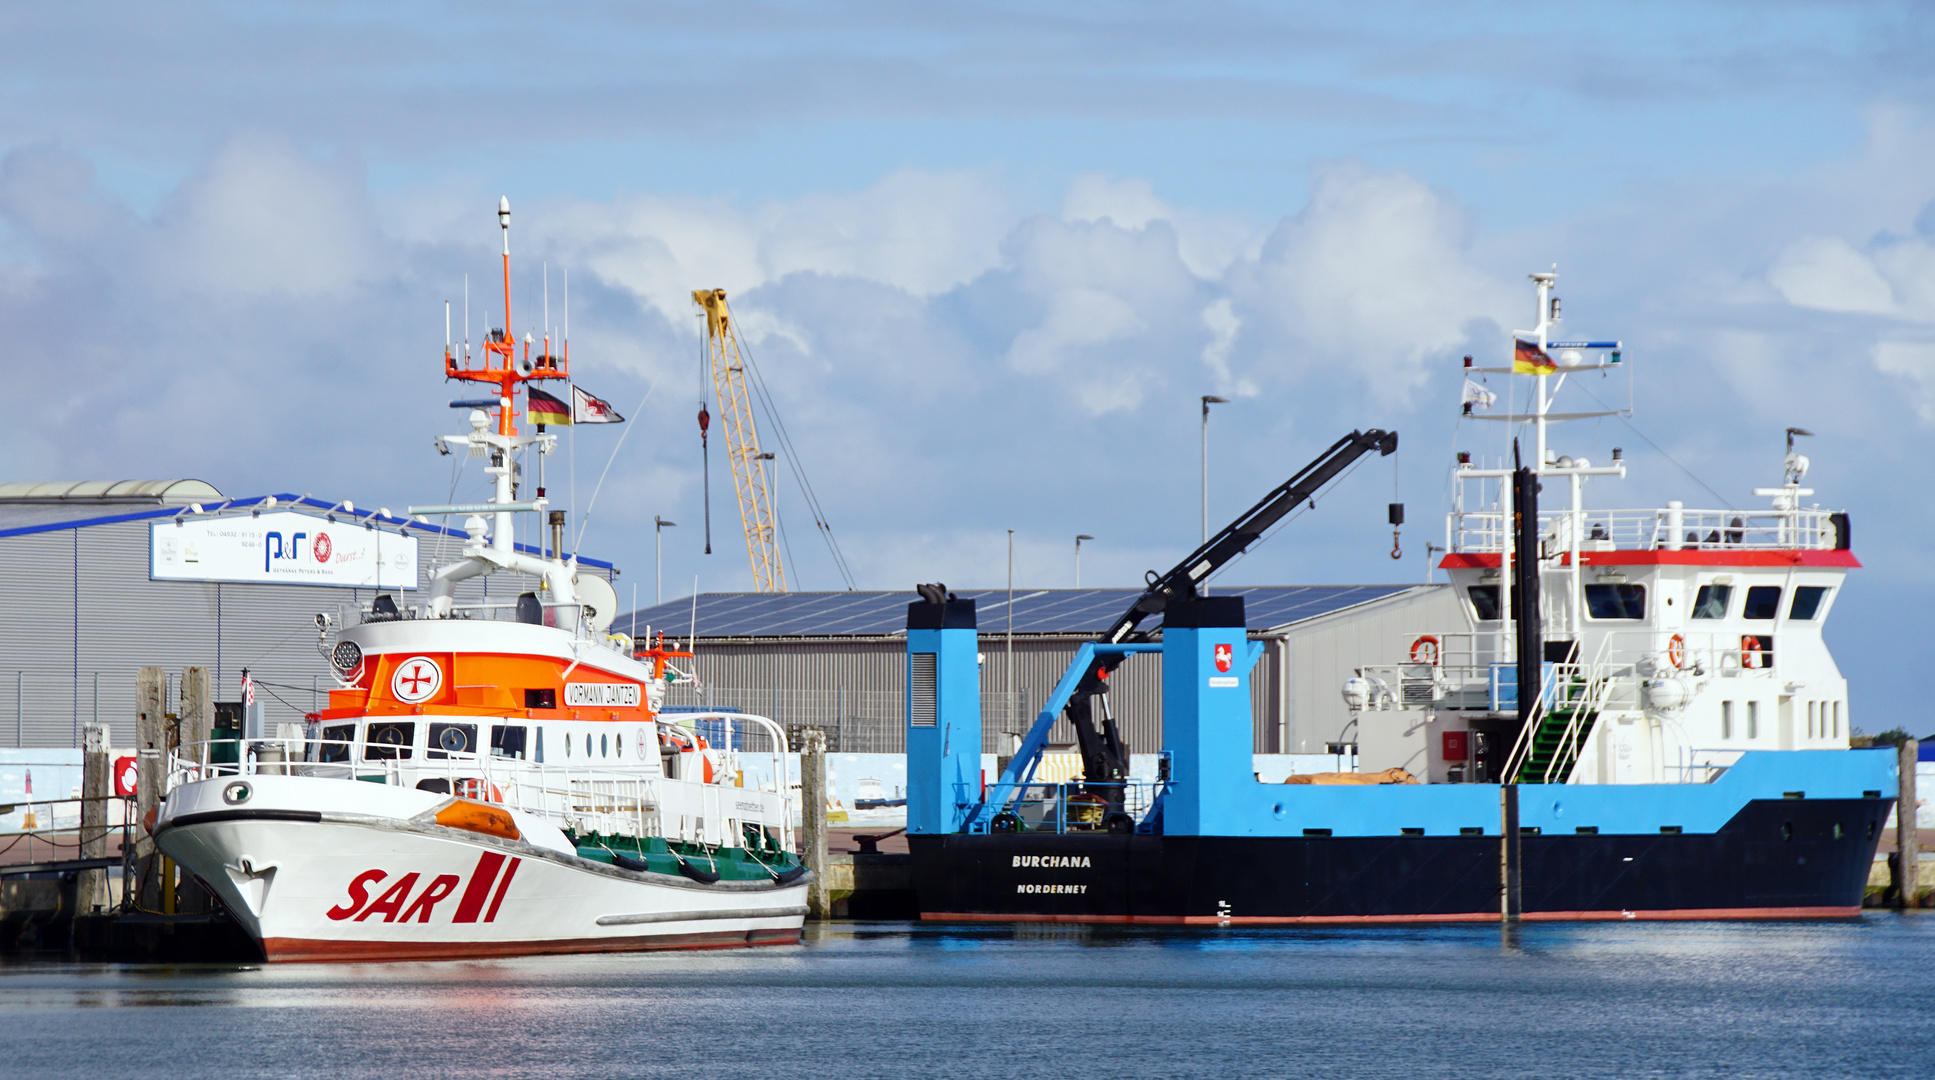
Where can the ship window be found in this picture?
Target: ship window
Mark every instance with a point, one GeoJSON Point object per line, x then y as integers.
{"type": "Point", "coordinates": [1813, 715]}
{"type": "Point", "coordinates": [1753, 719]}
{"type": "Point", "coordinates": [1616, 601]}
{"type": "Point", "coordinates": [538, 754]}
{"type": "Point", "coordinates": [567, 744]}
{"type": "Point", "coordinates": [1711, 602]}
{"type": "Point", "coordinates": [1807, 601]}
{"type": "Point", "coordinates": [507, 742]}
{"type": "Point", "coordinates": [1837, 721]}
{"type": "Point", "coordinates": [1726, 720]}
{"type": "Point", "coordinates": [335, 742]}
{"type": "Point", "coordinates": [1484, 602]}
{"type": "Point", "coordinates": [1763, 602]}
{"type": "Point", "coordinates": [547, 698]}
{"type": "Point", "coordinates": [604, 746]}
{"type": "Point", "coordinates": [448, 739]}
{"type": "Point", "coordinates": [389, 741]}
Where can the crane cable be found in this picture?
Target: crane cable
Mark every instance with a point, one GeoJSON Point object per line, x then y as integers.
{"type": "Point", "coordinates": [798, 469]}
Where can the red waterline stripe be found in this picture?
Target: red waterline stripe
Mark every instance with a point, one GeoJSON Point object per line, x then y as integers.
{"type": "Point", "coordinates": [1350, 920]}
{"type": "Point", "coordinates": [313, 949]}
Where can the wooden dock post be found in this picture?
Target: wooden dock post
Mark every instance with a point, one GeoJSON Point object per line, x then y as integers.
{"type": "Point", "coordinates": [1906, 866]}
{"type": "Point", "coordinates": [91, 894]}
{"type": "Point", "coordinates": [197, 719]}
{"type": "Point", "coordinates": [1511, 901]}
{"type": "Point", "coordinates": [813, 817]}
{"type": "Point", "coordinates": [151, 751]}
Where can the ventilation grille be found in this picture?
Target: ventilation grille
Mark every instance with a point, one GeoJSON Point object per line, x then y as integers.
{"type": "Point", "coordinates": [920, 689]}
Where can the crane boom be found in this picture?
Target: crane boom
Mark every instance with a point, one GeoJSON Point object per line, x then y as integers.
{"type": "Point", "coordinates": [1105, 756]}
{"type": "Point", "coordinates": [742, 442]}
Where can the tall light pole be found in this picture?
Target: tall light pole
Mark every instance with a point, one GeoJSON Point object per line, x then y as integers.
{"type": "Point", "coordinates": [1078, 557]}
{"type": "Point", "coordinates": [1208, 400]}
{"type": "Point", "coordinates": [659, 525]}
{"type": "Point", "coordinates": [1008, 661]}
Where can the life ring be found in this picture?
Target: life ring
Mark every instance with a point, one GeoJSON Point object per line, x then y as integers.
{"type": "Point", "coordinates": [1426, 650]}
{"type": "Point", "coordinates": [1676, 651]}
{"type": "Point", "coordinates": [1749, 651]}
{"type": "Point", "coordinates": [471, 787]}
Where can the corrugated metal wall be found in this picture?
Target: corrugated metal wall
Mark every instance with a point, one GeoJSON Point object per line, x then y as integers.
{"type": "Point", "coordinates": [82, 612]}
{"type": "Point", "coordinates": [1320, 654]}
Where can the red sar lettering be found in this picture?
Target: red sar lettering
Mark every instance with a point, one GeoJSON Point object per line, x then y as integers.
{"type": "Point", "coordinates": [359, 894]}
{"type": "Point", "coordinates": [392, 903]}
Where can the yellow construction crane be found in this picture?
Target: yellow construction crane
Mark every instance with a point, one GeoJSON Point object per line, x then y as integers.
{"type": "Point", "coordinates": [742, 442]}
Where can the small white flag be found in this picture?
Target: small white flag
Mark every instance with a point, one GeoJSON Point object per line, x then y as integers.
{"type": "Point", "coordinates": [1477, 396]}
{"type": "Point", "coordinates": [586, 409]}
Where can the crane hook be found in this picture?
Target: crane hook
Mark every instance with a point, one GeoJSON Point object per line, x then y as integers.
{"type": "Point", "coordinates": [1396, 551]}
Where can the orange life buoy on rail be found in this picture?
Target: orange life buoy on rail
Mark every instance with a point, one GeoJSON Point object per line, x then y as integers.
{"type": "Point", "coordinates": [1749, 651]}
{"type": "Point", "coordinates": [482, 790]}
{"type": "Point", "coordinates": [1426, 650]}
{"type": "Point", "coordinates": [1676, 651]}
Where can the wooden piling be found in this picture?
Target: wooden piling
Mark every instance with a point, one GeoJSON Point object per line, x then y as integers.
{"type": "Point", "coordinates": [1905, 868]}
{"type": "Point", "coordinates": [193, 731]}
{"type": "Point", "coordinates": [151, 751]}
{"type": "Point", "coordinates": [813, 815]}
{"type": "Point", "coordinates": [91, 895]}
{"type": "Point", "coordinates": [1511, 901]}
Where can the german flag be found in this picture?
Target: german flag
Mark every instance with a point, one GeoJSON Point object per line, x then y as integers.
{"type": "Point", "coordinates": [544, 408]}
{"type": "Point", "coordinates": [1528, 359]}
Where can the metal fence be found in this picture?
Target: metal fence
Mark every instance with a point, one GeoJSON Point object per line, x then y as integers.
{"type": "Point", "coordinates": [854, 721]}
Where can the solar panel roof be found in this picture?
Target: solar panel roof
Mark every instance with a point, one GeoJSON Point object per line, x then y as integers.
{"type": "Point", "coordinates": [1036, 611]}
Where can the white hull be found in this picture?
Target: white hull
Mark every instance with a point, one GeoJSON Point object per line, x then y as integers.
{"type": "Point", "coordinates": [311, 884]}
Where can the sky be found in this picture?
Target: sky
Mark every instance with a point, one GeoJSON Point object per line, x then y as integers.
{"type": "Point", "coordinates": [986, 259]}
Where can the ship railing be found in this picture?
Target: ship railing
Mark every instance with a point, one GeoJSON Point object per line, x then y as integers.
{"type": "Point", "coordinates": [1667, 652]}
{"type": "Point", "coordinates": [588, 799]}
{"type": "Point", "coordinates": [1072, 806]}
{"type": "Point", "coordinates": [1667, 528]}
{"type": "Point", "coordinates": [1701, 764]}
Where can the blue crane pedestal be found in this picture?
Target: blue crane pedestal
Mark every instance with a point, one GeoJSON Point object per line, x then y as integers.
{"type": "Point", "coordinates": [943, 716]}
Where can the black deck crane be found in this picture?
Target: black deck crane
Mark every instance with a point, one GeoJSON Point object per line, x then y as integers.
{"type": "Point", "coordinates": [1105, 757]}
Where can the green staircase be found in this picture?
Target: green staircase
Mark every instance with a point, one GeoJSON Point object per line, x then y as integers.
{"type": "Point", "coordinates": [1550, 755]}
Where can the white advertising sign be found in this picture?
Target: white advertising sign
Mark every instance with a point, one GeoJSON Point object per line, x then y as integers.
{"type": "Point", "coordinates": [281, 548]}
{"type": "Point", "coordinates": [601, 694]}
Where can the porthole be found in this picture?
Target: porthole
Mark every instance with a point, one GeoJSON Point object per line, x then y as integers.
{"type": "Point", "coordinates": [567, 744]}
{"type": "Point", "coordinates": [1787, 830]}
{"type": "Point", "coordinates": [604, 746]}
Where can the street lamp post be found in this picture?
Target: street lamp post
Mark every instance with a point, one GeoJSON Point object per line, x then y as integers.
{"type": "Point", "coordinates": [1078, 557]}
{"type": "Point", "coordinates": [1208, 400]}
{"type": "Point", "coordinates": [659, 525]}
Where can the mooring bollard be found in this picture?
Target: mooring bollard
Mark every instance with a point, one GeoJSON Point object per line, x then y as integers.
{"type": "Point", "coordinates": [813, 817]}
{"type": "Point", "coordinates": [1510, 897]}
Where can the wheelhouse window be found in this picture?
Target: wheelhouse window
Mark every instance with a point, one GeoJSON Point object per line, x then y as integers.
{"type": "Point", "coordinates": [507, 742]}
{"type": "Point", "coordinates": [1616, 601]}
{"type": "Point", "coordinates": [546, 698]}
{"type": "Point", "coordinates": [448, 739]}
{"type": "Point", "coordinates": [1484, 602]}
{"type": "Point", "coordinates": [389, 741]}
{"type": "Point", "coordinates": [1711, 601]}
{"type": "Point", "coordinates": [1807, 601]}
{"type": "Point", "coordinates": [335, 742]}
{"type": "Point", "coordinates": [1763, 602]}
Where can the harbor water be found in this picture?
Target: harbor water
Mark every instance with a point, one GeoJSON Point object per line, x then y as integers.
{"type": "Point", "coordinates": [1851, 998]}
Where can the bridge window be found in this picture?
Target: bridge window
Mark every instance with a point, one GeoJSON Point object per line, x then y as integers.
{"type": "Point", "coordinates": [335, 744]}
{"type": "Point", "coordinates": [1484, 602]}
{"type": "Point", "coordinates": [1753, 719]}
{"type": "Point", "coordinates": [1807, 601]}
{"type": "Point", "coordinates": [1616, 601]}
{"type": "Point", "coordinates": [1726, 720]}
{"type": "Point", "coordinates": [507, 742]}
{"type": "Point", "coordinates": [389, 741]}
{"type": "Point", "coordinates": [1763, 602]}
{"type": "Point", "coordinates": [1711, 602]}
{"type": "Point", "coordinates": [447, 739]}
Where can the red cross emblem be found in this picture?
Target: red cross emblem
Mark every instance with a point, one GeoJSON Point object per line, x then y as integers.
{"type": "Point", "coordinates": [417, 679]}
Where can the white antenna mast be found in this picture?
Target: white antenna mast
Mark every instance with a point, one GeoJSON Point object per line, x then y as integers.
{"type": "Point", "coordinates": [466, 320]}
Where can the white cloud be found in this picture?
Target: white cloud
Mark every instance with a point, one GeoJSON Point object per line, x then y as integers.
{"type": "Point", "coordinates": [1828, 274]}
{"type": "Point", "coordinates": [1914, 364]}
{"type": "Point", "coordinates": [1372, 277]}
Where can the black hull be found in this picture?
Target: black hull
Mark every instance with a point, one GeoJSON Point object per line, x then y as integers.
{"type": "Point", "coordinates": [1777, 858]}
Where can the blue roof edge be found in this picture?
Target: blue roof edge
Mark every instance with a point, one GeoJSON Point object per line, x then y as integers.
{"type": "Point", "coordinates": [281, 500]}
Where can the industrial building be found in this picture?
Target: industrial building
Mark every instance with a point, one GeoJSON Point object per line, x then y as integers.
{"type": "Point", "coordinates": [107, 577]}
{"type": "Point", "coordinates": [836, 661]}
